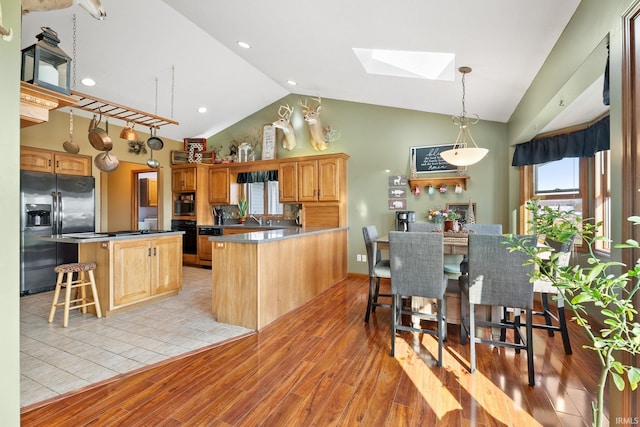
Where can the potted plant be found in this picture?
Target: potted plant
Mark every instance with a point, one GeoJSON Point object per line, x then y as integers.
{"type": "Point", "coordinates": [242, 209]}
{"type": "Point", "coordinates": [446, 216]}
{"type": "Point", "coordinates": [599, 285]}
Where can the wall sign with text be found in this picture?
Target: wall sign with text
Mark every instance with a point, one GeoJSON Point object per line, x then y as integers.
{"type": "Point", "coordinates": [428, 159]}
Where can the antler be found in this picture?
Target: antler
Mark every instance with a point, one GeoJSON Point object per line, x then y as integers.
{"type": "Point", "coordinates": [318, 100]}
{"type": "Point", "coordinates": [286, 115]}
{"type": "Point", "coordinates": [303, 104]}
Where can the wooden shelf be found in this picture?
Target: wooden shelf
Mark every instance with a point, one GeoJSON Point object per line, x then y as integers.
{"type": "Point", "coordinates": [111, 109]}
{"type": "Point", "coordinates": [36, 102]}
{"type": "Point", "coordinates": [438, 182]}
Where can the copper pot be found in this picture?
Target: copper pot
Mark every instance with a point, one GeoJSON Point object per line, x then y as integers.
{"type": "Point", "coordinates": [106, 162]}
{"type": "Point", "coordinates": [98, 138]}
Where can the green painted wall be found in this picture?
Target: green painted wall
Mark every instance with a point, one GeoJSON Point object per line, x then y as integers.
{"type": "Point", "coordinates": [9, 217]}
{"type": "Point", "coordinates": [378, 139]}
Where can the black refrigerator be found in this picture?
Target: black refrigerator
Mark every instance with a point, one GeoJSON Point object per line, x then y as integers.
{"type": "Point", "coordinates": [51, 205]}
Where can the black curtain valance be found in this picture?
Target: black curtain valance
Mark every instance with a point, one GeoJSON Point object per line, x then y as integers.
{"type": "Point", "coordinates": [258, 176]}
{"type": "Point", "coordinates": [582, 143]}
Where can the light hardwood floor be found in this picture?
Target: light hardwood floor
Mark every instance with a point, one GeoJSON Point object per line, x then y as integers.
{"type": "Point", "coordinates": [322, 365]}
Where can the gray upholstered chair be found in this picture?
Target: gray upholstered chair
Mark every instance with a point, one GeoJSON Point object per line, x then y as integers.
{"type": "Point", "coordinates": [497, 277]}
{"type": "Point", "coordinates": [416, 271]}
{"type": "Point", "coordinates": [422, 227]}
{"type": "Point", "coordinates": [554, 322]}
{"type": "Point", "coordinates": [378, 268]}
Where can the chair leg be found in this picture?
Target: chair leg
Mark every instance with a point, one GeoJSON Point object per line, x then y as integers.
{"type": "Point", "coordinates": [472, 337]}
{"type": "Point", "coordinates": [563, 330]}
{"type": "Point", "coordinates": [375, 294]}
{"type": "Point", "coordinates": [94, 291]}
{"type": "Point", "coordinates": [83, 293]}
{"type": "Point", "coordinates": [545, 312]}
{"type": "Point", "coordinates": [442, 328]}
{"type": "Point", "coordinates": [67, 300]}
{"type": "Point", "coordinates": [529, 328]}
{"type": "Point", "coordinates": [56, 296]}
{"type": "Point", "coordinates": [516, 326]}
{"type": "Point", "coordinates": [393, 323]}
{"type": "Point", "coordinates": [369, 301]}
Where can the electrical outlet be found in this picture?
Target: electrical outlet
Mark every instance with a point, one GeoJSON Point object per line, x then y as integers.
{"type": "Point", "coordinates": [359, 258]}
{"type": "Point", "coordinates": [363, 258]}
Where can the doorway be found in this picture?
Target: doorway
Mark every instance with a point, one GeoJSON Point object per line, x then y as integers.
{"type": "Point", "coordinates": [145, 199]}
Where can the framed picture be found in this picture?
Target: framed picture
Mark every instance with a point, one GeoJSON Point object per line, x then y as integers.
{"type": "Point", "coordinates": [428, 159]}
{"type": "Point", "coordinates": [462, 209]}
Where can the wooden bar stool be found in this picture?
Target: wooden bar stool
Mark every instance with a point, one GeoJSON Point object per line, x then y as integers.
{"type": "Point", "coordinates": [81, 301]}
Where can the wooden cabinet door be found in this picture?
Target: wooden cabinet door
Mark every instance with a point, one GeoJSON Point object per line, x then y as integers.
{"type": "Point", "coordinates": [148, 192]}
{"type": "Point", "coordinates": [288, 182]}
{"type": "Point", "coordinates": [219, 185]}
{"type": "Point", "coordinates": [131, 274]}
{"type": "Point", "coordinates": [204, 248]}
{"type": "Point", "coordinates": [72, 164]}
{"type": "Point", "coordinates": [32, 159]}
{"type": "Point", "coordinates": [307, 181]}
{"type": "Point", "coordinates": [183, 179]}
{"type": "Point", "coordinates": [166, 264]}
{"type": "Point", "coordinates": [328, 180]}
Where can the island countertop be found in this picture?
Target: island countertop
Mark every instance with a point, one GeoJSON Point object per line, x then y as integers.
{"type": "Point", "coordinates": [273, 235]}
{"type": "Point", "coordinates": [93, 237]}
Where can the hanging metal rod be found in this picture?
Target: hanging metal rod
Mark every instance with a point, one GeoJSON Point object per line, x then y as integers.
{"type": "Point", "coordinates": [111, 109]}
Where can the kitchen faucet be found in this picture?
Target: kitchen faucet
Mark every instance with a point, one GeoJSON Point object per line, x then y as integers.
{"type": "Point", "coordinates": [258, 220]}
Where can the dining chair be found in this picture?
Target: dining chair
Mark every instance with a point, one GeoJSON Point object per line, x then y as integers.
{"type": "Point", "coordinates": [544, 286]}
{"type": "Point", "coordinates": [378, 268]}
{"type": "Point", "coordinates": [499, 277]}
{"type": "Point", "coordinates": [416, 271]}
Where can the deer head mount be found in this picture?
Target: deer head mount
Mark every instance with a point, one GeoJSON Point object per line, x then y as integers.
{"type": "Point", "coordinates": [7, 35]}
{"type": "Point", "coordinates": [94, 7]}
{"type": "Point", "coordinates": [312, 117]}
{"type": "Point", "coordinates": [284, 123]}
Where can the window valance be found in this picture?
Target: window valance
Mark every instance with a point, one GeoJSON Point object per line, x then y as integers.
{"type": "Point", "coordinates": [582, 143]}
{"type": "Point", "coordinates": [258, 176]}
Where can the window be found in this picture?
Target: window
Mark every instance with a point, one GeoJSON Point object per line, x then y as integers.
{"type": "Point", "coordinates": [263, 198]}
{"type": "Point", "coordinates": [602, 198]}
{"type": "Point", "coordinates": [561, 184]}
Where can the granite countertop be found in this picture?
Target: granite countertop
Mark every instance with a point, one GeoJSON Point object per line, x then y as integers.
{"type": "Point", "coordinates": [273, 235]}
{"type": "Point", "coordinates": [91, 237]}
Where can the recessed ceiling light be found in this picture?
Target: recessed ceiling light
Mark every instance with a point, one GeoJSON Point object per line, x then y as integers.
{"type": "Point", "coordinates": [88, 81]}
{"type": "Point", "coordinates": [244, 45]}
{"type": "Point", "coordinates": [291, 82]}
{"type": "Point", "coordinates": [399, 63]}
{"type": "Point", "coordinates": [202, 110]}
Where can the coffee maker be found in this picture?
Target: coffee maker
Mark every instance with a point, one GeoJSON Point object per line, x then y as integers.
{"type": "Point", "coordinates": [403, 218]}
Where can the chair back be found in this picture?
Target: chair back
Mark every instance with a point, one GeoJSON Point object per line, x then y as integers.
{"type": "Point", "coordinates": [497, 276]}
{"type": "Point", "coordinates": [423, 227]}
{"type": "Point", "coordinates": [484, 228]}
{"type": "Point", "coordinates": [370, 234]}
{"type": "Point", "coordinates": [563, 250]}
{"type": "Point", "coordinates": [417, 262]}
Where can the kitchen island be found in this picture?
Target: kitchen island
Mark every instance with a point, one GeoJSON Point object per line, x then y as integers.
{"type": "Point", "coordinates": [260, 276]}
{"type": "Point", "coordinates": [132, 269]}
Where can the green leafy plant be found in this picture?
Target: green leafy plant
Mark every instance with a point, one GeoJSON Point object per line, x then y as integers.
{"type": "Point", "coordinates": [595, 285]}
{"type": "Point", "coordinates": [242, 207]}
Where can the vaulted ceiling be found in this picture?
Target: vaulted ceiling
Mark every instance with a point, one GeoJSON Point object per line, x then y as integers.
{"type": "Point", "coordinates": [191, 48]}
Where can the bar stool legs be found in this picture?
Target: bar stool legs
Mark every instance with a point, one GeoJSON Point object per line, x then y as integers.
{"type": "Point", "coordinates": [79, 301]}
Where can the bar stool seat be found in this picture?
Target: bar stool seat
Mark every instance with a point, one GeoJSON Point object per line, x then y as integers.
{"type": "Point", "coordinates": [79, 301]}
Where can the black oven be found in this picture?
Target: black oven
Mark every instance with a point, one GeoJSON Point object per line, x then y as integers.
{"type": "Point", "coordinates": [189, 238]}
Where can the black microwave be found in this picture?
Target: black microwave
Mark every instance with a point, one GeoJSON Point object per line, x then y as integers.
{"type": "Point", "coordinates": [184, 208]}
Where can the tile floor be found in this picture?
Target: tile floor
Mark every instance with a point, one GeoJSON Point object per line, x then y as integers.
{"type": "Point", "coordinates": [55, 360]}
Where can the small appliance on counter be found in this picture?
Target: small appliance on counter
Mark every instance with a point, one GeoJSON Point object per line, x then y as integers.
{"type": "Point", "coordinates": [218, 215]}
{"type": "Point", "coordinates": [403, 218]}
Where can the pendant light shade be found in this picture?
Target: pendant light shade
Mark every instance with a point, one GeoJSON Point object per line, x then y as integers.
{"type": "Point", "coordinates": [461, 154]}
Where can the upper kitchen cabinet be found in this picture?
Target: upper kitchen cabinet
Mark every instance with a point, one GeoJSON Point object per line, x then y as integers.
{"type": "Point", "coordinates": [320, 180]}
{"type": "Point", "coordinates": [183, 178]}
{"type": "Point", "coordinates": [288, 182]}
{"type": "Point", "coordinates": [37, 160]}
{"type": "Point", "coordinates": [219, 186]}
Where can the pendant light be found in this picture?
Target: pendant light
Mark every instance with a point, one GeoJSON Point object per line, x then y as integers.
{"type": "Point", "coordinates": [461, 154]}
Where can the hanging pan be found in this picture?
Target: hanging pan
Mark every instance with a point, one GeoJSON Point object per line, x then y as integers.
{"type": "Point", "coordinates": [154, 142]}
{"type": "Point", "coordinates": [70, 146]}
{"type": "Point", "coordinates": [106, 162]}
{"type": "Point", "coordinates": [99, 138]}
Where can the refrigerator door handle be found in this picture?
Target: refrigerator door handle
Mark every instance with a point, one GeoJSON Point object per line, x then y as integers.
{"type": "Point", "coordinates": [54, 220]}
{"type": "Point", "coordinates": [60, 210]}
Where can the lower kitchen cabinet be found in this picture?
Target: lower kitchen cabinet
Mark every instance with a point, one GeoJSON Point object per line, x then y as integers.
{"type": "Point", "coordinates": [136, 271]}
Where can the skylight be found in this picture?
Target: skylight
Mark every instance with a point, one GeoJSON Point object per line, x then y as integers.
{"type": "Point", "coordinates": [399, 63]}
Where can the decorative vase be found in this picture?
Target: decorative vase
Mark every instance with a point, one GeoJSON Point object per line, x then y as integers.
{"type": "Point", "coordinates": [242, 219]}
{"type": "Point", "coordinates": [451, 225]}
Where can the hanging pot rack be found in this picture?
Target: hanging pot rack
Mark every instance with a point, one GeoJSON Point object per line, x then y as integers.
{"type": "Point", "coordinates": [111, 109]}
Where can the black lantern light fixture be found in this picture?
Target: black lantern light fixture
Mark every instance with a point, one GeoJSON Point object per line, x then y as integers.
{"type": "Point", "coordinates": [45, 64]}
